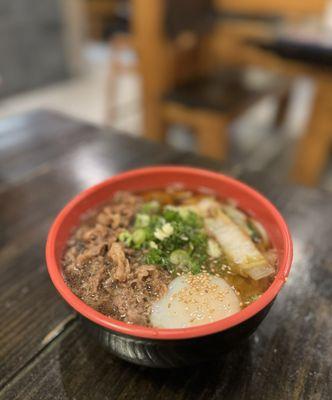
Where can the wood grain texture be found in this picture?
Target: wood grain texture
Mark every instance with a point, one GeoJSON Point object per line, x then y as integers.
{"type": "Point", "coordinates": [44, 352]}
{"type": "Point", "coordinates": [34, 142]}
{"type": "Point", "coordinates": [287, 8]}
{"type": "Point", "coordinates": [66, 158]}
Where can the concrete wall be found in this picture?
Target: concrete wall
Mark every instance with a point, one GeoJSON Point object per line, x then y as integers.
{"type": "Point", "coordinates": [32, 45]}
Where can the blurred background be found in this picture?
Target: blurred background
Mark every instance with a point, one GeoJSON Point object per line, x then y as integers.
{"type": "Point", "coordinates": [245, 82]}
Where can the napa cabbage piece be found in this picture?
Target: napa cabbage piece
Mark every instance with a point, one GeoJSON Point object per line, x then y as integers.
{"type": "Point", "coordinates": [246, 259]}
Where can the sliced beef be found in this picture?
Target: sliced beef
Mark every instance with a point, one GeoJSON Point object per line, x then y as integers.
{"type": "Point", "coordinates": [107, 276]}
{"type": "Point", "coordinates": [121, 267]}
{"type": "Point", "coordinates": [133, 299]}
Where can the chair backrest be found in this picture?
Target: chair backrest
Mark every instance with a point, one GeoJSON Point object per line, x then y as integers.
{"type": "Point", "coordinates": [288, 8]}
{"type": "Point", "coordinates": [234, 50]}
{"type": "Point", "coordinates": [188, 16]}
{"type": "Point", "coordinates": [168, 51]}
{"type": "Point", "coordinates": [156, 26]}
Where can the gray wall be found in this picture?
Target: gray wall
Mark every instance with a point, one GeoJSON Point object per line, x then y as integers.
{"type": "Point", "coordinates": [32, 51]}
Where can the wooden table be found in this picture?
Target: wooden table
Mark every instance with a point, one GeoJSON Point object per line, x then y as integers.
{"type": "Point", "coordinates": [313, 60]}
{"type": "Point", "coordinates": [45, 159]}
{"type": "Point", "coordinates": [257, 43]}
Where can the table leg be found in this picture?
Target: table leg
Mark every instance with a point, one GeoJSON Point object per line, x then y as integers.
{"type": "Point", "coordinates": [314, 147]}
{"type": "Point", "coordinates": [212, 136]}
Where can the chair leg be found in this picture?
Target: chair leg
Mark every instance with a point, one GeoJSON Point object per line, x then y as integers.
{"type": "Point", "coordinates": [212, 136]}
{"type": "Point", "coordinates": [282, 108]}
{"type": "Point", "coordinates": [311, 158]}
{"type": "Point", "coordinates": [154, 123]}
{"type": "Point", "coordinates": [118, 67]}
{"type": "Point", "coordinates": [314, 147]}
{"type": "Point", "coordinates": [113, 77]}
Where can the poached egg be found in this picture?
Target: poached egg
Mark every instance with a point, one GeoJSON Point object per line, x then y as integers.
{"type": "Point", "coordinates": [194, 300]}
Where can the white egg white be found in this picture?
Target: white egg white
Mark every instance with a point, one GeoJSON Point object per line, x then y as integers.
{"type": "Point", "coordinates": [194, 300]}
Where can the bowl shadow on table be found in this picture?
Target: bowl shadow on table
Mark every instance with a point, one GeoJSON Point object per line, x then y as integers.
{"type": "Point", "coordinates": [88, 371]}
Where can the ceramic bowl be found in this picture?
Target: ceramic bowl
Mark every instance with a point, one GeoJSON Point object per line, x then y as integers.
{"type": "Point", "coordinates": [171, 347]}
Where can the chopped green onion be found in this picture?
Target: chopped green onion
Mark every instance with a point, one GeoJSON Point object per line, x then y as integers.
{"type": "Point", "coordinates": [139, 237]}
{"type": "Point", "coordinates": [153, 245]}
{"type": "Point", "coordinates": [184, 212]}
{"type": "Point", "coordinates": [195, 268]}
{"type": "Point", "coordinates": [173, 238]}
{"type": "Point", "coordinates": [178, 257]}
{"type": "Point", "coordinates": [142, 220]}
{"type": "Point", "coordinates": [126, 238]}
{"type": "Point", "coordinates": [164, 232]}
{"type": "Point", "coordinates": [150, 207]}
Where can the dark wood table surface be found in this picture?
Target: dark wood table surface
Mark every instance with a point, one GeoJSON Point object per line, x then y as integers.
{"type": "Point", "coordinates": [45, 159]}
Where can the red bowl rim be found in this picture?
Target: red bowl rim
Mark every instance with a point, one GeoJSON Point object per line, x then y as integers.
{"type": "Point", "coordinates": [180, 333]}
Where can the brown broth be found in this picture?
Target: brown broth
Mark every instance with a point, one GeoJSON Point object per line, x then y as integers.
{"type": "Point", "coordinates": [90, 260]}
{"type": "Point", "coordinates": [247, 289]}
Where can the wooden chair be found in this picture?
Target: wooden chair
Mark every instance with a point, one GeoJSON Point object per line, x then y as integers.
{"type": "Point", "coordinates": [179, 84]}
{"type": "Point", "coordinates": [314, 147]}
{"type": "Point", "coordinates": [287, 8]}
{"type": "Point", "coordinates": [122, 61]}
{"type": "Point", "coordinates": [99, 12]}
